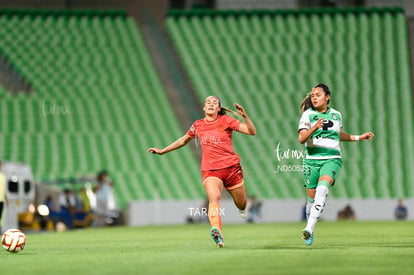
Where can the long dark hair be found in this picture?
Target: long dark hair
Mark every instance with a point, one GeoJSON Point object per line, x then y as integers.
{"type": "Point", "coordinates": [224, 110]}
{"type": "Point", "coordinates": [307, 101]}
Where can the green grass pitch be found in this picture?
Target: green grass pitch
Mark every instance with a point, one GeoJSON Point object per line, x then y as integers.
{"type": "Point", "coordinates": [339, 248]}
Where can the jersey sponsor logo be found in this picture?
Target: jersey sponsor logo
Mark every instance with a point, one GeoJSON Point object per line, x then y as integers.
{"type": "Point", "coordinates": [327, 124]}
{"type": "Point", "coordinates": [213, 140]}
{"type": "Point", "coordinates": [220, 127]}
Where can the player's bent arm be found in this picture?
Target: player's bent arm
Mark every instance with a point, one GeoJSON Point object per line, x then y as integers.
{"type": "Point", "coordinates": [182, 141]}
{"type": "Point", "coordinates": [305, 134]}
{"type": "Point", "coordinates": [247, 128]}
{"type": "Point", "coordinates": [348, 137]}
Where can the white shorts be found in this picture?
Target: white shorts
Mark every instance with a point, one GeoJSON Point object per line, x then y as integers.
{"type": "Point", "coordinates": [102, 207]}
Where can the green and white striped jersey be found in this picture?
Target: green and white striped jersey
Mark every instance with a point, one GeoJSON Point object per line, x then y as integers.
{"type": "Point", "coordinates": [324, 142]}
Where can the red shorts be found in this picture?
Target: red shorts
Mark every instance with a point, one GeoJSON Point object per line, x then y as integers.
{"type": "Point", "coordinates": [232, 177]}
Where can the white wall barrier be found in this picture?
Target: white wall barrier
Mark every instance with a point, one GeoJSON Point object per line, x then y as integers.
{"type": "Point", "coordinates": [176, 212]}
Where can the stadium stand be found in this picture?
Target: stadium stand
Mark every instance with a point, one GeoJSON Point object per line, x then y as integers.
{"type": "Point", "coordinates": [268, 61]}
{"type": "Point", "coordinates": [97, 103]}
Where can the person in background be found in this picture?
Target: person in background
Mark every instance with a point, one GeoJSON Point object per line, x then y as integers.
{"type": "Point", "coordinates": [53, 212]}
{"type": "Point", "coordinates": [67, 203]}
{"type": "Point", "coordinates": [400, 212]}
{"type": "Point", "coordinates": [83, 208]}
{"type": "Point", "coordinates": [67, 200]}
{"type": "Point", "coordinates": [83, 203]}
{"type": "Point", "coordinates": [304, 214]}
{"type": "Point", "coordinates": [254, 210]}
{"type": "Point", "coordinates": [3, 196]}
{"type": "Point", "coordinates": [346, 214]}
{"type": "Point", "coordinates": [103, 191]}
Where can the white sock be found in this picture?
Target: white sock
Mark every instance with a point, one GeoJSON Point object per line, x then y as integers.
{"type": "Point", "coordinates": [317, 207]}
{"type": "Point", "coordinates": [308, 207]}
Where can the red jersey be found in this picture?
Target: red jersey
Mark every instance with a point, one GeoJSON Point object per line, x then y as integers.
{"type": "Point", "coordinates": [215, 138]}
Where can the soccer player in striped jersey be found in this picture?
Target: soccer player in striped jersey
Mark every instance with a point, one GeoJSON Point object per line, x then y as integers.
{"type": "Point", "coordinates": [220, 165]}
{"type": "Point", "coordinates": [320, 129]}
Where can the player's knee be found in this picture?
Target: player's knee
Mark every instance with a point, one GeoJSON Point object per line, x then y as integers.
{"type": "Point", "coordinates": [214, 199]}
{"type": "Point", "coordinates": [214, 196]}
{"type": "Point", "coordinates": [325, 178]}
{"type": "Point", "coordinates": [241, 204]}
{"type": "Point", "coordinates": [323, 188]}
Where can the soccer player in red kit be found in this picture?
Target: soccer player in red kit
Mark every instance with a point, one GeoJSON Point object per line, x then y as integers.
{"type": "Point", "coordinates": [220, 165]}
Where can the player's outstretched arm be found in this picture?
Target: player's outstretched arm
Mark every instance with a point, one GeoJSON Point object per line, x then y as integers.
{"type": "Point", "coordinates": [173, 146]}
{"type": "Point", "coordinates": [364, 136]}
{"type": "Point", "coordinates": [247, 127]}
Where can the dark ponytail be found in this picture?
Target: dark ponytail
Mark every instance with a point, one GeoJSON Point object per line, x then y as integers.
{"type": "Point", "coordinates": [224, 111]}
{"type": "Point", "coordinates": [306, 103]}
